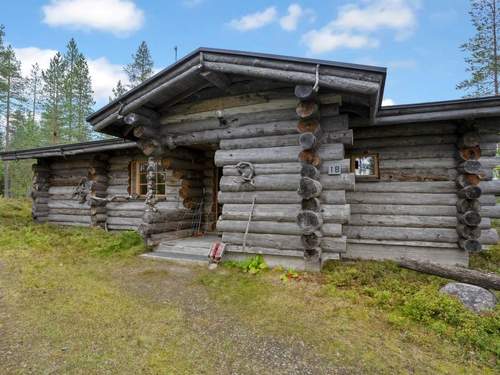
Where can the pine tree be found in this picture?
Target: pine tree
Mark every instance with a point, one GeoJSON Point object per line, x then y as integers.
{"type": "Point", "coordinates": [53, 99]}
{"type": "Point", "coordinates": [70, 59]}
{"type": "Point", "coordinates": [483, 50]}
{"type": "Point", "coordinates": [118, 91]}
{"type": "Point", "coordinates": [141, 68]}
{"type": "Point", "coordinates": [13, 99]}
{"type": "Point", "coordinates": [34, 90]}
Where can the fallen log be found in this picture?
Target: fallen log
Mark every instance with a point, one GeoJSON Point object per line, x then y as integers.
{"type": "Point", "coordinates": [464, 275]}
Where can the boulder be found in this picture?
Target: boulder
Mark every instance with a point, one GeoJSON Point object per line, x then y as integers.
{"type": "Point", "coordinates": [473, 297]}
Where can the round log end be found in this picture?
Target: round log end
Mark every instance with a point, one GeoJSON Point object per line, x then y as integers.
{"type": "Point", "coordinates": [308, 125]}
{"type": "Point", "coordinates": [307, 141]}
{"type": "Point", "coordinates": [308, 170]}
{"type": "Point", "coordinates": [309, 221]}
{"type": "Point", "coordinates": [470, 153]}
{"type": "Point", "coordinates": [472, 246]}
{"type": "Point", "coordinates": [310, 157]}
{"type": "Point", "coordinates": [305, 92]}
{"type": "Point", "coordinates": [309, 188]}
{"type": "Point", "coordinates": [307, 109]}
{"type": "Point", "coordinates": [470, 218]}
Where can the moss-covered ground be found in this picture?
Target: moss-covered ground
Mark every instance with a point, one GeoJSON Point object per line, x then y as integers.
{"type": "Point", "coordinates": [80, 301]}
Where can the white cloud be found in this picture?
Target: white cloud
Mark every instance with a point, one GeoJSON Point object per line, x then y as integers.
{"type": "Point", "coordinates": [116, 16]}
{"type": "Point", "coordinates": [325, 40]}
{"type": "Point", "coordinates": [103, 73]}
{"type": "Point", "coordinates": [255, 20]}
{"type": "Point", "coordinates": [390, 14]}
{"type": "Point", "coordinates": [31, 55]}
{"type": "Point", "coordinates": [355, 25]}
{"type": "Point", "coordinates": [290, 21]}
{"type": "Point", "coordinates": [387, 102]}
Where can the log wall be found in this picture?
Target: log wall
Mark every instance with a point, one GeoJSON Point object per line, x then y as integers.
{"type": "Point", "coordinates": [412, 210]}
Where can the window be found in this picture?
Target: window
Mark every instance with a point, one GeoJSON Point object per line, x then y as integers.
{"type": "Point", "coordinates": [138, 178]}
{"type": "Point", "coordinates": [365, 165]}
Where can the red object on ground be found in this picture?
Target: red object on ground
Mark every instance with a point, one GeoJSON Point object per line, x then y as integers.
{"type": "Point", "coordinates": [216, 252]}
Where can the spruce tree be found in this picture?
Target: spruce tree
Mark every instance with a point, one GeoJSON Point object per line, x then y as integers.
{"type": "Point", "coordinates": [53, 99]}
{"type": "Point", "coordinates": [118, 91]}
{"type": "Point", "coordinates": [483, 50]}
{"type": "Point", "coordinates": [141, 68]}
{"type": "Point", "coordinates": [70, 59]}
{"type": "Point", "coordinates": [83, 100]}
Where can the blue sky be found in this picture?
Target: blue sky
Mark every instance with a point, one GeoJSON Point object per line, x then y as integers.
{"type": "Point", "coordinates": [417, 40]}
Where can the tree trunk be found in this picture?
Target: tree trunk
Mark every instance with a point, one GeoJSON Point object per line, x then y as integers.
{"type": "Point", "coordinates": [464, 275]}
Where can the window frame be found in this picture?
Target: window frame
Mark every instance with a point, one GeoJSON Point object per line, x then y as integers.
{"type": "Point", "coordinates": [135, 179]}
{"type": "Point", "coordinates": [372, 177]}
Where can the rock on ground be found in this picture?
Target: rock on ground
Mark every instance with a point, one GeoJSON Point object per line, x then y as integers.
{"type": "Point", "coordinates": [473, 297]}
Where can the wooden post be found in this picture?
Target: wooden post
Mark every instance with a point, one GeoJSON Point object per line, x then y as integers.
{"type": "Point", "coordinates": [98, 178]}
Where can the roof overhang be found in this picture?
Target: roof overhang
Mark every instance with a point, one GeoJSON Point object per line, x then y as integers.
{"type": "Point", "coordinates": [68, 150]}
{"type": "Point", "coordinates": [461, 109]}
{"type": "Point", "coordinates": [208, 67]}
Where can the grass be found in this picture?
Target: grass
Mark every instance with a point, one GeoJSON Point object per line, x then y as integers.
{"type": "Point", "coordinates": [80, 301]}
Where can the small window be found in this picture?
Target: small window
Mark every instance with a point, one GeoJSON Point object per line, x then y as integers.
{"type": "Point", "coordinates": [138, 178]}
{"type": "Point", "coordinates": [365, 165]}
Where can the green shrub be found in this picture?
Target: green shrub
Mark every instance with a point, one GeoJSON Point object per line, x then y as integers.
{"type": "Point", "coordinates": [252, 265]}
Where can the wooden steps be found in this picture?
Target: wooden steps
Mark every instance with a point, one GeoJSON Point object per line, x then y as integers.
{"type": "Point", "coordinates": [190, 249]}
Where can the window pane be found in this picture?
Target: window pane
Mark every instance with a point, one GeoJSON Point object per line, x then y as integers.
{"type": "Point", "coordinates": [160, 189]}
{"type": "Point", "coordinates": [143, 189]}
{"type": "Point", "coordinates": [143, 179]}
{"type": "Point", "coordinates": [365, 166]}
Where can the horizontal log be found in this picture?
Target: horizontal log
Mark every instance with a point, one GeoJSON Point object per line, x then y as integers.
{"type": "Point", "coordinates": [490, 187]}
{"type": "Point", "coordinates": [419, 163]}
{"type": "Point", "coordinates": [489, 237]}
{"type": "Point", "coordinates": [275, 155]}
{"type": "Point", "coordinates": [398, 233]}
{"type": "Point", "coordinates": [278, 197]}
{"type": "Point", "coordinates": [405, 130]}
{"type": "Point", "coordinates": [363, 195]}
{"type": "Point", "coordinates": [410, 152]}
{"type": "Point", "coordinates": [407, 187]}
{"type": "Point", "coordinates": [66, 223]}
{"type": "Point", "coordinates": [283, 168]}
{"type": "Point", "coordinates": [418, 140]}
{"type": "Point", "coordinates": [124, 220]}
{"type": "Point", "coordinates": [147, 229]}
{"type": "Point", "coordinates": [469, 139]}
{"type": "Point", "coordinates": [275, 241]}
{"type": "Point", "coordinates": [282, 212]}
{"type": "Point", "coordinates": [236, 226]}
{"type": "Point", "coordinates": [182, 164]}
{"type": "Point", "coordinates": [464, 275]}
{"type": "Point", "coordinates": [403, 221]}
{"type": "Point", "coordinates": [254, 129]}
{"type": "Point", "coordinates": [70, 211]}
{"type": "Point", "coordinates": [237, 249]}
{"type": "Point", "coordinates": [81, 219]}
{"type": "Point", "coordinates": [491, 211]}
{"type": "Point", "coordinates": [441, 245]}
{"type": "Point", "coordinates": [395, 252]}
{"type": "Point", "coordinates": [75, 204]}
{"type": "Point", "coordinates": [334, 244]}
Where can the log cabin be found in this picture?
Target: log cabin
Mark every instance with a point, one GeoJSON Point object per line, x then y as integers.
{"type": "Point", "coordinates": [287, 157]}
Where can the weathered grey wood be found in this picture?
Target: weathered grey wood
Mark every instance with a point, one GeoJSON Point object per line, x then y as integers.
{"type": "Point", "coordinates": [464, 180]}
{"type": "Point", "coordinates": [305, 92]}
{"type": "Point", "coordinates": [334, 244]}
{"type": "Point", "coordinates": [472, 246]}
{"type": "Point", "coordinates": [282, 212]}
{"type": "Point", "coordinates": [335, 83]}
{"type": "Point", "coordinates": [137, 119]}
{"type": "Point", "coordinates": [284, 168]}
{"type": "Point", "coordinates": [363, 195]}
{"type": "Point", "coordinates": [313, 204]}
{"type": "Point", "coordinates": [405, 130]}
{"type": "Point", "coordinates": [272, 227]}
{"type": "Point", "coordinates": [417, 140]}
{"type": "Point", "coordinates": [407, 187]}
{"type": "Point", "coordinates": [309, 171]}
{"type": "Point", "coordinates": [264, 251]}
{"type": "Point", "coordinates": [307, 141]}
{"type": "Point", "coordinates": [469, 139]}
{"type": "Point", "coordinates": [84, 219]}
{"type": "Point", "coordinates": [490, 187]}
{"type": "Point", "coordinates": [470, 167]}
{"type": "Point", "coordinates": [491, 211]}
{"type": "Point", "coordinates": [402, 209]}
{"type": "Point", "coordinates": [489, 237]}
{"type": "Point", "coordinates": [147, 229]}
{"type": "Point", "coordinates": [403, 221]}
{"type": "Point", "coordinates": [418, 163]}
{"type": "Point", "coordinates": [311, 241]}
{"type": "Point", "coordinates": [464, 275]}
{"type": "Point", "coordinates": [470, 192]}
{"type": "Point", "coordinates": [469, 233]}
{"type": "Point", "coordinates": [464, 205]}
{"type": "Point", "coordinates": [399, 233]}
{"type": "Point", "coordinates": [309, 221]}
{"type": "Point", "coordinates": [275, 241]}
{"type": "Point", "coordinates": [328, 197]}
{"type": "Point", "coordinates": [307, 109]}
{"type": "Point", "coordinates": [275, 155]}
{"type": "Point", "coordinates": [395, 252]}
{"type": "Point", "coordinates": [470, 218]}
{"type": "Point", "coordinates": [219, 80]}
{"type": "Point", "coordinates": [284, 182]}
{"type": "Point", "coordinates": [309, 188]}
{"type": "Point", "coordinates": [412, 152]}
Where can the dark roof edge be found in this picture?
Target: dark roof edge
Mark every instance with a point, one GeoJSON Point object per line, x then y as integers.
{"type": "Point", "coordinates": [367, 68]}
{"type": "Point", "coordinates": [68, 149]}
